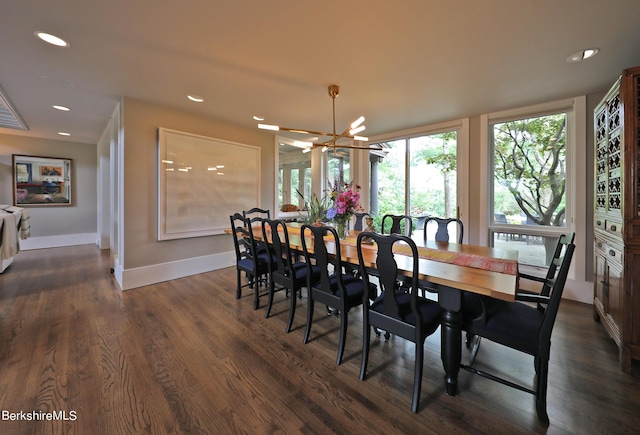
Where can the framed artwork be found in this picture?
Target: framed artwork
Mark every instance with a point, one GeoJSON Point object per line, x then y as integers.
{"type": "Point", "coordinates": [201, 182]}
{"type": "Point", "coordinates": [41, 181]}
{"type": "Point", "coordinates": [51, 170]}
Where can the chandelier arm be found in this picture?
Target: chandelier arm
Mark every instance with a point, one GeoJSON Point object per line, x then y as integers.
{"type": "Point", "coordinates": [344, 134]}
{"type": "Point", "coordinates": [298, 130]}
{"type": "Point", "coordinates": [374, 147]}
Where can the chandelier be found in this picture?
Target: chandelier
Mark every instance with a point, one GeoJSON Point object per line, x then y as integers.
{"type": "Point", "coordinates": [350, 132]}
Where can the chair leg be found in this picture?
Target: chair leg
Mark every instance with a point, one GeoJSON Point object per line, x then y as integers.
{"type": "Point", "coordinates": [365, 350]}
{"type": "Point", "coordinates": [542, 370]}
{"type": "Point", "coordinates": [272, 290]}
{"type": "Point", "coordinates": [310, 306]}
{"type": "Point", "coordinates": [256, 294]}
{"type": "Point", "coordinates": [417, 377]}
{"type": "Point", "coordinates": [473, 342]}
{"type": "Point", "coordinates": [292, 311]}
{"type": "Point", "coordinates": [343, 338]}
{"type": "Point", "coordinates": [239, 288]}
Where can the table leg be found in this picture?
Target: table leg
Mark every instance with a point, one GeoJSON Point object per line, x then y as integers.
{"type": "Point", "coordinates": [450, 300]}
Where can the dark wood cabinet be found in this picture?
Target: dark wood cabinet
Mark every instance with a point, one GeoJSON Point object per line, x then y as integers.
{"type": "Point", "coordinates": [617, 215]}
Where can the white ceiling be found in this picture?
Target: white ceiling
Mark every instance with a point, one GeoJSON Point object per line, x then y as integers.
{"type": "Point", "coordinates": [401, 63]}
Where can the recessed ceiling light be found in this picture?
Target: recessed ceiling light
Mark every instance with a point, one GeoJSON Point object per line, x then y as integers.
{"type": "Point", "coordinates": [52, 39]}
{"type": "Point", "coordinates": [64, 133]}
{"type": "Point", "coordinates": [195, 98]}
{"type": "Point", "coordinates": [583, 54]}
{"type": "Point", "coordinates": [258, 118]}
{"type": "Point", "coordinates": [62, 108]}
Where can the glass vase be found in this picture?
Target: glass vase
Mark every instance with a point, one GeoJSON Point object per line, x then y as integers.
{"type": "Point", "coordinates": [342, 228]}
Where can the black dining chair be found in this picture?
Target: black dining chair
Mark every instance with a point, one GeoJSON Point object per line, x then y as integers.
{"type": "Point", "coordinates": [284, 272]}
{"type": "Point", "coordinates": [336, 288]}
{"type": "Point", "coordinates": [520, 326]}
{"type": "Point", "coordinates": [257, 213]}
{"type": "Point", "coordinates": [442, 234]}
{"type": "Point", "coordinates": [255, 216]}
{"type": "Point", "coordinates": [539, 298]}
{"type": "Point", "coordinates": [359, 222]}
{"type": "Point", "coordinates": [402, 313]}
{"type": "Point", "coordinates": [443, 226]}
{"type": "Point", "coordinates": [251, 262]}
{"type": "Point", "coordinates": [547, 281]}
{"type": "Point", "coordinates": [396, 224]}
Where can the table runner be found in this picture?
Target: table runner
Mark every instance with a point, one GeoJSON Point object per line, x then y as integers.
{"type": "Point", "coordinates": [499, 265]}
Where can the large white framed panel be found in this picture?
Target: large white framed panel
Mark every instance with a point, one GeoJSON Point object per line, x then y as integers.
{"type": "Point", "coordinates": [201, 182]}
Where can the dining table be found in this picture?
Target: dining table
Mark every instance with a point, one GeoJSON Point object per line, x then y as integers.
{"type": "Point", "coordinates": [451, 268]}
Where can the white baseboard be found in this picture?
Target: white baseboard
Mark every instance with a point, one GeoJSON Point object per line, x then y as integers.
{"type": "Point", "coordinates": [57, 241]}
{"type": "Point", "coordinates": [579, 291]}
{"type": "Point", "coordinates": [147, 275]}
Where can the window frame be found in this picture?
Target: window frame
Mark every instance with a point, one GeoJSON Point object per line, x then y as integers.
{"type": "Point", "coordinates": [461, 126]}
{"type": "Point", "coordinates": [277, 178]}
{"type": "Point", "coordinates": [575, 166]}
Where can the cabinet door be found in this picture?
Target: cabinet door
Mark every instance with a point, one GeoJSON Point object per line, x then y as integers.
{"type": "Point", "coordinates": [615, 299]}
{"type": "Point", "coordinates": [600, 284]}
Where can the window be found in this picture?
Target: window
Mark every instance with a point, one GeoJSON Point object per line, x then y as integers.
{"type": "Point", "coordinates": [294, 176]}
{"type": "Point", "coordinates": [433, 164]}
{"type": "Point", "coordinates": [391, 180]}
{"type": "Point", "coordinates": [420, 173]}
{"type": "Point", "coordinates": [338, 161]}
{"type": "Point", "coordinates": [530, 168]}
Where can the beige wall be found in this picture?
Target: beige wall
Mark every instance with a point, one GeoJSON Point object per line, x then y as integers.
{"type": "Point", "coordinates": [81, 216]}
{"type": "Point", "coordinates": [141, 121]}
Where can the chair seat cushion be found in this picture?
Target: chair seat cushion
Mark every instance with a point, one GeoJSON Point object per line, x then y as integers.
{"type": "Point", "coordinates": [354, 288]}
{"type": "Point", "coordinates": [265, 257]}
{"type": "Point", "coordinates": [430, 310]}
{"type": "Point", "coordinates": [512, 324]}
{"type": "Point", "coordinates": [300, 270]}
{"type": "Point", "coordinates": [247, 265]}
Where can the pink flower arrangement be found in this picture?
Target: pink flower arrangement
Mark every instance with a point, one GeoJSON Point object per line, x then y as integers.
{"type": "Point", "coordinates": [346, 201]}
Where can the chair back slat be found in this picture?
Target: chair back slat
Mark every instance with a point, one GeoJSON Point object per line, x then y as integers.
{"type": "Point", "coordinates": [276, 238]}
{"type": "Point", "coordinates": [555, 297]}
{"type": "Point", "coordinates": [359, 223]}
{"type": "Point", "coordinates": [396, 224]}
{"type": "Point", "coordinates": [256, 214]}
{"type": "Point", "coordinates": [243, 240]}
{"type": "Point", "coordinates": [442, 231]}
{"type": "Point", "coordinates": [389, 273]}
{"type": "Point", "coordinates": [319, 237]}
{"type": "Point", "coordinates": [563, 242]}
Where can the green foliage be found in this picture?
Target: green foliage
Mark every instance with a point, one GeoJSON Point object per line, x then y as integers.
{"type": "Point", "coordinates": [433, 176]}
{"type": "Point", "coordinates": [530, 163]}
{"type": "Point", "coordinates": [316, 207]}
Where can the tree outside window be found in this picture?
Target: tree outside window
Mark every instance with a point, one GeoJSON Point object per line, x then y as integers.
{"type": "Point", "coordinates": [530, 169]}
{"type": "Point", "coordinates": [529, 182]}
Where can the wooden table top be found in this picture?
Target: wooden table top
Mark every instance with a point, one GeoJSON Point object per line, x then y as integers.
{"type": "Point", "coordinates": [496, 284]}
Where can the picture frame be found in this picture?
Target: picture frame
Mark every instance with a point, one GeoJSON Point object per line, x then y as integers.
{"type": "Point", "coordinates": [41, 181]}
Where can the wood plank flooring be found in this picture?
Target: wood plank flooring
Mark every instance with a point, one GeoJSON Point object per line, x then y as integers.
{"type": "Point", "coordinates": [186, 357]}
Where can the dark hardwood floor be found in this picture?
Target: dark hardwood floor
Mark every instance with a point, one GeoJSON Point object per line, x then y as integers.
{"type": "Point", "coordinates": [186, 357]}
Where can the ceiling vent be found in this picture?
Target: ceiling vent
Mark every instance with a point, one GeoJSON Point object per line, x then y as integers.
{"type": "Point", "coordinates": [9, 116]}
